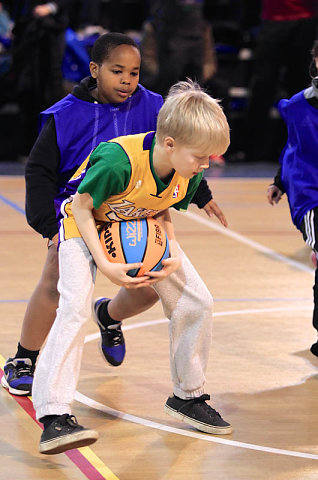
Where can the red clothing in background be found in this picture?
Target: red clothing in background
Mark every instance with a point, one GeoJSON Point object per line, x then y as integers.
{"type": "Point", "coordinates": [284, 10]}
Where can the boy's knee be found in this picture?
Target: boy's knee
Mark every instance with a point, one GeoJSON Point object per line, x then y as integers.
{"type": "Point", "coordinates": [48, 288]}
{"type": "Point", "coordinates": [148, 297]}
{"type": "Point", "coordinates": [203, 305]}
{"type": "Point", "coordinates": [52, 292]}
{"type": "Point", "coordinates": [197, 307]}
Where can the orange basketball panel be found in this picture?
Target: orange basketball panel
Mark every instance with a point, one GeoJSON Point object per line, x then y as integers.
{"type": "Point", "coordinates": [111, 244]}
{"type": "Point", "coordinates": [156, 246]}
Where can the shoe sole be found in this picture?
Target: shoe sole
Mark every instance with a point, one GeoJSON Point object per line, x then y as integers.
{"type": "Point", "coordinates": [203, 427]}
{"type": "Point", "coordinates": [96, 320]}
{"type": "Point", "coordinates": [13, 391]}
{"type": "Point", "coordinates": [68, 442]}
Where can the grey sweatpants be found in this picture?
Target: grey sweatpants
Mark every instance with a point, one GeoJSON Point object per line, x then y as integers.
{"type": "Point", "coordinates": [186, 301]}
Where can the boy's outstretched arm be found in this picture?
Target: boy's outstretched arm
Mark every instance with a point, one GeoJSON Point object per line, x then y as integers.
{"type": "Point", "coordinates": [82, 207]}
{"type": "Point", "coordinates": [212, 208]}
{"type": "Point", "coordinates": [203, 198]}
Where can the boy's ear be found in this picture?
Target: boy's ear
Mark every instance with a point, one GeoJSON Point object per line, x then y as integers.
{"type": "Point", "coordinates": [93, 67]}
{"type": "Point", "coordinates": [169, 143]}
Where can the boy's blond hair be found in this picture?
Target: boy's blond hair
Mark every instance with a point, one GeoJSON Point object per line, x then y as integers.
{"type": "Point", "coordinates": [193, 118]}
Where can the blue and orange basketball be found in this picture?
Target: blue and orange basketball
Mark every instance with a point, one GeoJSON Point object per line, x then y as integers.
{"type": "Point", "coordinates": [141, 240]}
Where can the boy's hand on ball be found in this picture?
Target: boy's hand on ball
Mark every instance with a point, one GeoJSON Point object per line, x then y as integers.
{"type": "Point", "coordinates": [170, 264]}
{"type": "Point", "coordinates": [117, 273]}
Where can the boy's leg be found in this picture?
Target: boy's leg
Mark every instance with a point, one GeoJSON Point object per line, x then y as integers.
{"type": "Point", "coordinates": [41, 309]}
{"type": "Point", "coordinates": [135, 301]}
{"type": "Point", "coordinates": [109, 314]}
{"type": "Point", "coordinates": [59, 365]}
{"type": "Point", "coordinates": [37, 322]}
{"type": "Point", "coordinates": [188, 305]}
{"type": "Point", "coordinates": [309, 229]}
{"type": "Point", "coordinates": [314, 347]}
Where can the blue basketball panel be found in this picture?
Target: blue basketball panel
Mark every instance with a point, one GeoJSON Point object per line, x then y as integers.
{"type": "Point", "coordinates": [134, 235]}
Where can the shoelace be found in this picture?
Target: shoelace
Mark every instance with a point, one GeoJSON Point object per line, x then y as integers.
{"type": "Point", "coordinates": [201, 400]}
{"type": "Point", "coordinates": [115, 333]}
{"type": "Point", "coordinates": [68, 419]}
{"type": "Point", "coordinates": [23, 369]}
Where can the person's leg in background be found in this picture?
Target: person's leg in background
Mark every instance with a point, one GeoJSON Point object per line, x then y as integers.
{"type": "Point", "coordinates": [270, 56]}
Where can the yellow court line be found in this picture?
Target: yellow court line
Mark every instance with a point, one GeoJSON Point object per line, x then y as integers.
{"type": "Point", "coordinates": [2, 361]}
{"type": "Point", "coordinates": [90, 456]}
{"type": "Point", "coordinates": [98, 464]}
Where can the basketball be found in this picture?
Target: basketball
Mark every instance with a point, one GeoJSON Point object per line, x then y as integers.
{"type": "Point", "coordinates": [140, 240]}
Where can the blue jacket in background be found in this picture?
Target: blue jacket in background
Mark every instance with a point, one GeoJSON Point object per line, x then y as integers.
{"type": "Point", "coordinates": [299, 158]}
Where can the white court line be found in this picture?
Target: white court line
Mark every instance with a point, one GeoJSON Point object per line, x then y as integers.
{"type": "Point", "coordinates": [151, 323]}
{"type": "Point", "coordinates": [240, 238]}
{"type": "Point", "coordinates": [159, 426]}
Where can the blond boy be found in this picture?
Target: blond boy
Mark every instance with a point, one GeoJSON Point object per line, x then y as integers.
{"type": "Point", "coordinates": [129, 177]}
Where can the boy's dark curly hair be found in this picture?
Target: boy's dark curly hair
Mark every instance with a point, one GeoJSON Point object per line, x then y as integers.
{"type": "Point", "coordinates": [106, 43]}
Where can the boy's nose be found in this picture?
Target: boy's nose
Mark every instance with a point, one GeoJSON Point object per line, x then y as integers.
{"type": "Point", "coordinates": [125, 79]}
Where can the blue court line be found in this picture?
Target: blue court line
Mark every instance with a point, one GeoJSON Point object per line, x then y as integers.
{"type": "Point", "coordinates": [12, 204]}
{"type": "Point", "coordinates": [309, 299]}
{"type": "Point", "coordinates": [14, 301]}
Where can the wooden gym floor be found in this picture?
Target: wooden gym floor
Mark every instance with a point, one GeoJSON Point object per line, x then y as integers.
{"type": "Point", "coordinates": [261, 376]}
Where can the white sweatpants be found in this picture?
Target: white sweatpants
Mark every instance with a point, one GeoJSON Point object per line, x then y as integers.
{"type": "Point", "coordinates": [186, 302]}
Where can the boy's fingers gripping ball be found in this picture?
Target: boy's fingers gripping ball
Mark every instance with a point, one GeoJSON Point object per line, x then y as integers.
{"type": "Point", "coordinates": [141, 240]}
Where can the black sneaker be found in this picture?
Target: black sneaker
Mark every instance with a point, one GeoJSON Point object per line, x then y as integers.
{"type": "Point", "coordinates": [65, 433]}
{"type": "Point", "coordinates": [18, 376]}
{"type": "Point", "coordinates": [314, 349]}
{"type": "Point", "coordinates": [112, 343]}
{"type": "Point", "coordinates": [199, 414]}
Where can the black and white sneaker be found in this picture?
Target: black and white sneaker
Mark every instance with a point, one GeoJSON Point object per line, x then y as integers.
{"type": "Point", "coordinates": [112, 343]}
{"type": "Point", "coordinates": [64, 433]}
{"type": "Point", "coordinates": [18, 376]}
{"type": "Point", "coordinates": [199, 414]}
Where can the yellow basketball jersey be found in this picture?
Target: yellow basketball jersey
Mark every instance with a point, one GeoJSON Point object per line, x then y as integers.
{"type": "Point", "coordinates": [141, 197]}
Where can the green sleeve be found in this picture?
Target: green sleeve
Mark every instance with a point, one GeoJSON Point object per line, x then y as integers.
{"type": "Point", "coordinates": [108, 175]}
{"type": "Point", "coordinates": [192, 188]}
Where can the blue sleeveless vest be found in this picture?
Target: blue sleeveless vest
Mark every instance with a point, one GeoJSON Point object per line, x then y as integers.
{"type": "Point", "coordinates": [299, 159]}
{"type": "Point", "coordinates": [81, 126]}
